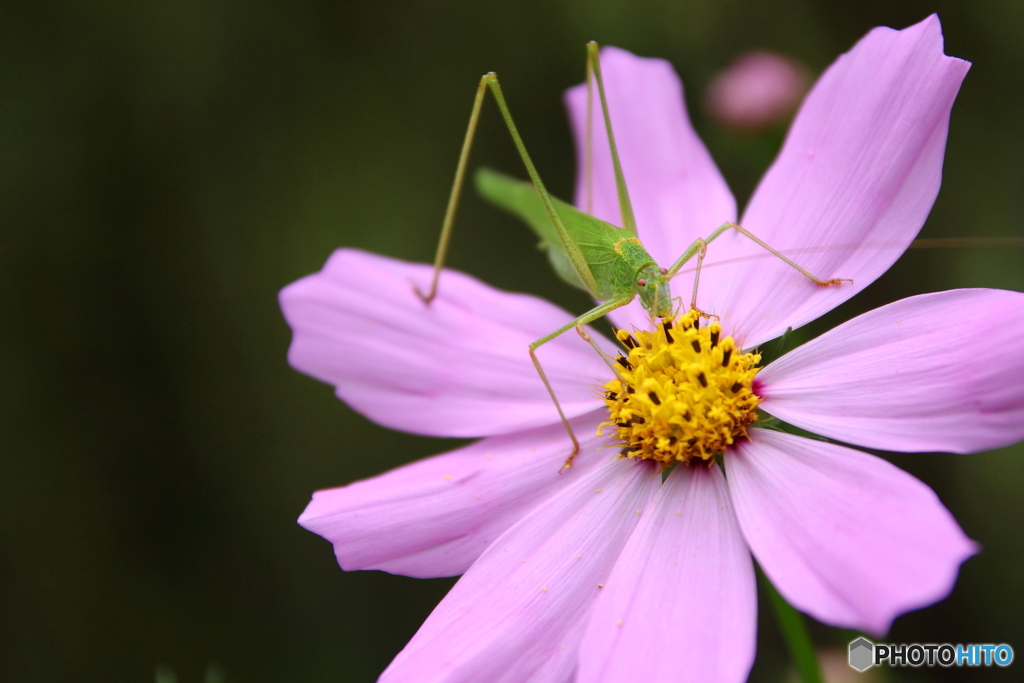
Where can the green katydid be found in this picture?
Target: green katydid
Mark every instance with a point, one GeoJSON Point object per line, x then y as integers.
{"type": "Point", "coordinates": [607, 261]}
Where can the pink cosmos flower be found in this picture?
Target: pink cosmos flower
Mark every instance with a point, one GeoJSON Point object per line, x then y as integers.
{"type": "Point", "coordinates": [605, 572]}
{"type": "Point", "coordinates": [758, 89]}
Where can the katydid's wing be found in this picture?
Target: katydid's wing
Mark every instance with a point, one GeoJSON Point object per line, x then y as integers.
{"type": "Point", "coordinates": [595, 238]}
{"type": "Point", "coordinates": [521, 199]}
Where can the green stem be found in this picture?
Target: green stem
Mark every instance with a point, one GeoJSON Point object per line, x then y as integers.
{"type": "Point", "coordinates": [795, 632]}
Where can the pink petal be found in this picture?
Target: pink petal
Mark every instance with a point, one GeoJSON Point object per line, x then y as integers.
{"type": "Point", "coordinates": [436, 516]}
{"type": "Point", "coordinates": [677, 192]}
{"type": "Point", "coordinates": [846, 537]}
{"type": "Point", "coordinates": [938, 372]}
{"type": "Point", "coordinates": [519, 612]}
{"type": "Point", "coordinates": [458, 367]}
{"type": "Point", "coordinates": [852, 186]}
{"type": "Point", "coordinates": [680, 604]}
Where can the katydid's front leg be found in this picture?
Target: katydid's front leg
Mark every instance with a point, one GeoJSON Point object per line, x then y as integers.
{"type": "Point", "coordinates": [700, 246]}
{"type": "Point", "coordinates": [582, 331]}
{"type": "Point", "coordinates": [587, 317]}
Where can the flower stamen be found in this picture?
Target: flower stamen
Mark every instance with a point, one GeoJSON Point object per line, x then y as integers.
{"type": "Point", "coordinates": [683, 392]}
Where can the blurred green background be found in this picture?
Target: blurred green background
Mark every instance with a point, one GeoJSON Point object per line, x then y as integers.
{"type": "Point", "coordinates": [166, 167]}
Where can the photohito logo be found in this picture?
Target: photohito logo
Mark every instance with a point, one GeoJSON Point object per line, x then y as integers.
{"type": "Point", "coordinates": [865, 654]}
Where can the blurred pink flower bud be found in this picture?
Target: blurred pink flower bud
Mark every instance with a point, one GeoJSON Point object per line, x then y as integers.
{"type": "Point", "coordinates": [759, 89]}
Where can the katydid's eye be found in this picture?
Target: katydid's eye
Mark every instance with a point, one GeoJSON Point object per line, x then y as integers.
{"type": "Point", "coordinates": [663, 271]}
{"type": "Point", "coordinates": [642, 282]}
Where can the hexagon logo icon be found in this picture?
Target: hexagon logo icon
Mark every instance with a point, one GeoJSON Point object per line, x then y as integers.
{"type": "Point", "coordinates": [862, 654]}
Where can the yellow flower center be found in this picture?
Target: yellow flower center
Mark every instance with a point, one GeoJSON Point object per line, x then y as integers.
{"type": "Point", "coordinates": [682, 392]}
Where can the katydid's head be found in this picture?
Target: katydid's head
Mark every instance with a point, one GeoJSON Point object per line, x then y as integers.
{"type": "Point", "coordinates": [652, 285]}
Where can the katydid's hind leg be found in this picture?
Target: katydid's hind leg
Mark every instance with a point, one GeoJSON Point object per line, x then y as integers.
{"type": "Point", "coordinates": [453, 198]}
{"type": "Point", "coordinates": [588, 149]}
{"type": "Point", "coordinates": [490, 81]}
{"type": "Point", "coordinates": [587, 317]}
{"type": "Point", "coordinates": [625, 205]}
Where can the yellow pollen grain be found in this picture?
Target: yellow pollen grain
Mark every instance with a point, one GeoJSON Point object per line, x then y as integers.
{"type": "Point", "coordinates": [683, 394]}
